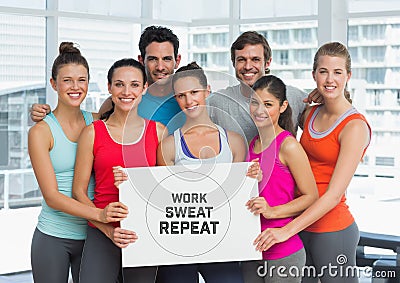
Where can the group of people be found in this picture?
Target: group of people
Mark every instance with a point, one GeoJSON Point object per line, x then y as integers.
{"type": "Point", "coordinates": [301, 203]}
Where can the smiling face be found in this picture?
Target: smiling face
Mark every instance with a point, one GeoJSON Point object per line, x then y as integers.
{"type": "Point", "coordinates": [71, 84]}
{"type": "Point", "coordinates": [331, 76]}
{"type": "Point", "coordinates": [250, 63]}
{"type": "Point", "coordinates": [126, 87]}
{"type": "Point", "coordinates": [159, 61]}
{"type": "Point", "coordinates": [191, 95]}
{"type": "Point", "coordinates": [265, 108]}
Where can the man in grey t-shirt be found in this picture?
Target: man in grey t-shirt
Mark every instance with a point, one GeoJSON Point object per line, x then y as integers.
{"type": "Point", "coordinates": [229, 107]}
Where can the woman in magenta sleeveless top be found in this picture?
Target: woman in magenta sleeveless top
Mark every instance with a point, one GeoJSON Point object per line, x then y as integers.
{"type": "Point", "coordinates": [284, 167]}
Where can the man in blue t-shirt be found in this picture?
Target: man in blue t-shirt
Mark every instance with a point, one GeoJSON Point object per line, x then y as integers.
{"type": "Point", "coordinates": [158, 48]}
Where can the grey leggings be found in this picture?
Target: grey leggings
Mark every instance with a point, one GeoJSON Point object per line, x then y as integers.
{"type": "Point", "coordinates": [101, 263]}
{"type": "Point", "coordinates": [51, 258]}
{"type": "Point", "coordinates": [274, 271]}
{"type": "Point", "coordinates": [332, 255]}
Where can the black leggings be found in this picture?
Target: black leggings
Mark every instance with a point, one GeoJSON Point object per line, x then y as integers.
{"type": "Point", "coordinates": [332, 255]}
{"type": "Point", "coordinates": [101, 262]}
{"type": "Point", "coordinates": [51, 258]}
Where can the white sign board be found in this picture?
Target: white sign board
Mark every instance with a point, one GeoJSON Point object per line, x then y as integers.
{"type": "Point", "coordinates": [189, 214]}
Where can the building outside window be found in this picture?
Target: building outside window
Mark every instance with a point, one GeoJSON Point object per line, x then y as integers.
{"type": "Point", "coordinates": [281, 57]}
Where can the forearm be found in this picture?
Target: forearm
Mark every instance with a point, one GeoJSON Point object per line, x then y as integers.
{"type": "Point", "coordinates": [106, 228]}
{"type": "Point", "coordinates": [82, 197]}
{"type": "Point", "coordinates": [292, 208]}
{"type": "Point", "coordinates": [313, 213]}
{"type": "Point", "coordinates": [61, 202]}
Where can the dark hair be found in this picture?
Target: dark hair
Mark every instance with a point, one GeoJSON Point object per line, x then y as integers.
{"type": "Point", "coordinates": [126, 62]}
{"type": "Point", "coordinates": [157, 34]}
{"type": "Point", "coordinates": [277, 88]}
{"type": "Point", "coordinates": [251, 38]}
{"type": "Point", "coordinates": [190, 70]}
{"type": "Point", "coordinates": [334, 49]}
{"type": "Point", "coordinates": [69, 54]}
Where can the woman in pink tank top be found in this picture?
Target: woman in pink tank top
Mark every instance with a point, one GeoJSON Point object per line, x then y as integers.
{"type": "Point", "coordinates": [285, 167]}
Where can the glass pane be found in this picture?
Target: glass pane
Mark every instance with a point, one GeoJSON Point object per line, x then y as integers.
{"type": "Point", "coordinates": [22, 82]}
{"type": "Point", "coordinates": [125, 8]}
{"type": "Point", "coordinates": [293, 46]}
{"type": "Point", "coordinates": [374, 46]}
{"type": "Point", "coordinates": [33, 4]}
{"type": "Point", "coordinates": [210, 47]}
{"type": "Point", "coordinates": [277, 8]}
{"type": "Point", "coordinates": [179, 10]}
{"type": "Point", "coordinates": [373, 5]}
{"type": "Point", "coordinates": [102, 43]}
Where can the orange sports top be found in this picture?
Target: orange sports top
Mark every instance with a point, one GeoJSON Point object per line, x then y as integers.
{"type": "Point", "coordinates": [322, 149]}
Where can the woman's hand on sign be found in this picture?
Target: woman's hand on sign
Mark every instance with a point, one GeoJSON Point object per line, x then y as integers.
{"type": "Point", "coordinates": [259, 205]}
{"type": "Point", "coordinates": [254, 170]}
{"type": "Point", "coordinates": [122, 238]}
{"type": "Point", "coordinates": [119, 175]}
{"type": "Point", "coordinates": [114, 212]}
{"type": "Point", "coordinates": [270, 237]}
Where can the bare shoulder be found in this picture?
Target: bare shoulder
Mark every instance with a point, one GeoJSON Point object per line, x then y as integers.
{"type": "Point", "coordinates": [40, 129]}
{"type": "Point", "coordinates": [168, 142]}
{"type": "Point", "coordinates": [87, 133]}
{"type": "Point", "coordinates": [292, 153]}
{"type": "Point", "coordinates": [162, 131]}
{"type": "Point", "coordinates": [234, 136]}
{"type": "Point", "coordinates": [40, 136]}
{"type": "Point", "coordinates": [237, 146]}
{"type": "Point", "coordinates": [290, 145]}
{"type": "Point", "coordinates": [354, 129]}
{"type": "Point", "coordinates": [166, 151]}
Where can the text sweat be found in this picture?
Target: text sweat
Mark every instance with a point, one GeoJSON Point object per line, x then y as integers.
{"type": "Point", "coordinates": [194, 215]}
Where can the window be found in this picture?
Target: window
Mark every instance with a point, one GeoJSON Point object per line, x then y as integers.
{"type": "Point", "coordinates": [302, 35]}
{"type": "Point", "coordinates": [130, 8]}
{"type": "Point", "coordinates": [373, 32]}
{"type": "Point", "coordinates": [354, 54]}
{"type": "Point", "coordinates": [201, 59]}
{"type": "Point", "coordinates": [220, 59]}
{"type": "Point", "coordinates": [376, 95]}
{"type": "Point", "coordinates": [279, 8]}
{"type": "Point", "coordinates": [280, 37]}
{"type": "Point", "coordinates": [220, 39]}
{"type": "Point", "coordinates": [384, 161]}
{"type": "Point", "coordinates": [281, 57]}
{"type": "Point", "coordinates": [303, 56]}
{"type": "Point", "coordinates": [376, 75]}
{"type": "Point", "coordinates": [375, 53]}
{"type": "Point", "coordinates": [353, 33]}
{"type": "Point", "coordinates": [200, 40]}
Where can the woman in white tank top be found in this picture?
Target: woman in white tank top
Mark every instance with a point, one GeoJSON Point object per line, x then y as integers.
{"type": "Point", "coordinates": [198, 141]}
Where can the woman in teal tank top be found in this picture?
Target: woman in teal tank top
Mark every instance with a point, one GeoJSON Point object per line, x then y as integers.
{"type": "Point", "coordinates": [61, 231]}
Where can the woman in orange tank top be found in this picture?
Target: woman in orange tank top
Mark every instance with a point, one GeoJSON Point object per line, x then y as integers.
{"type": "Point", "coordinates": [335, 138]}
